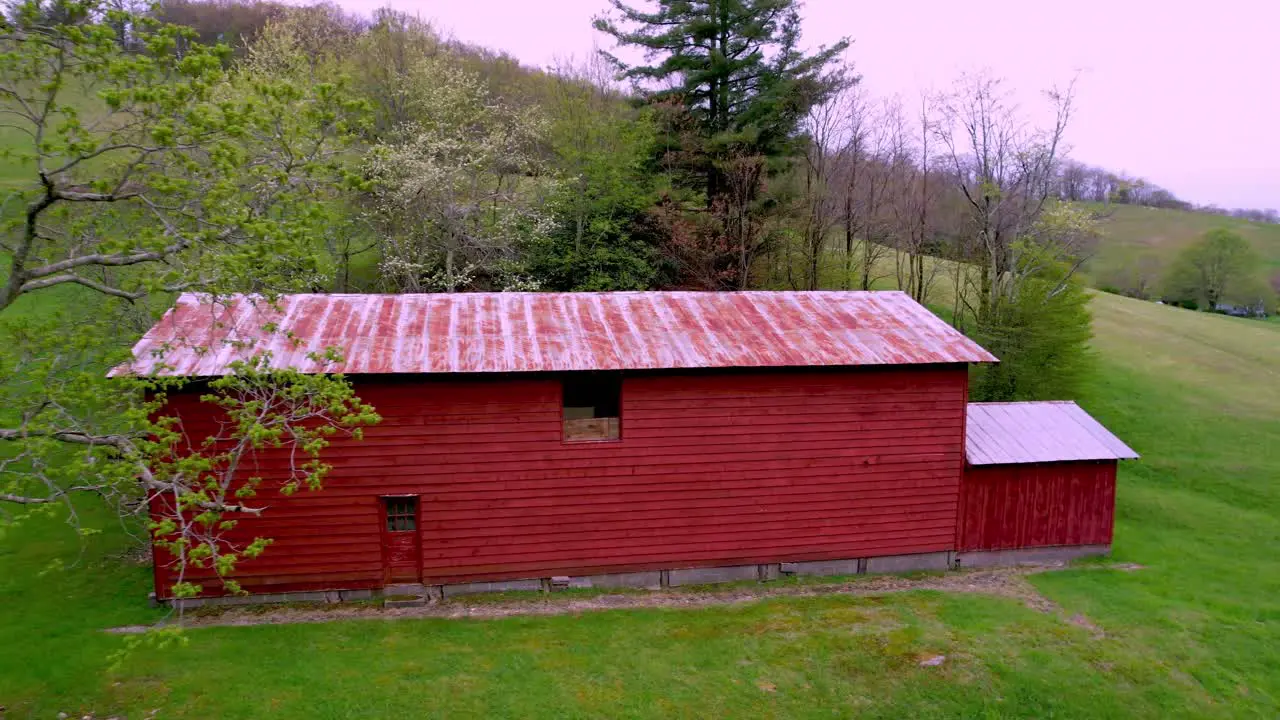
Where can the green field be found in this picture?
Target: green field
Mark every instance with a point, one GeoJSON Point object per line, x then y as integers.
{"type": "Point", "coordinates": [1130, 231]}
{"type": "Point", "coordinates": [1194, 633]}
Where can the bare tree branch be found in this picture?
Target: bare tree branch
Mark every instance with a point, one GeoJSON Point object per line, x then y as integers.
{"type": "Point", "coordinates": [76, 279]}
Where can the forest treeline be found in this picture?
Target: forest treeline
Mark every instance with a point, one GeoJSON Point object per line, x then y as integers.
{"type": "Point", "coordinates": [1081, 182]}
{"type": "Point", "coordinates": [732, 160]}
{"type": "Point", "coordinates": [238, 22]}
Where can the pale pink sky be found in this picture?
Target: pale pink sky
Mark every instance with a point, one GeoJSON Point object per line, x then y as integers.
{"type": "Point", "coordinates": [1185, 93]}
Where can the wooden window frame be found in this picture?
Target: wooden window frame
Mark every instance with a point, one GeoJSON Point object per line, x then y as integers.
{"type": "Point", "coordinates": [408, 514]}
{"type": "Point", "coordinates": [611, 425]}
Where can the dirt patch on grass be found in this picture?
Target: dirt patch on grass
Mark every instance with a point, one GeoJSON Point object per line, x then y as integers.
{"type": "Point", "coordinates": [1000, 582]}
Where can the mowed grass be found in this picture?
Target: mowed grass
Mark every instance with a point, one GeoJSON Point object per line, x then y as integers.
{"type": "Point", "coordinates": [1195, 633]}
{"type": "Point", "coordinates": [1227, 366]}
{"type": "Point", "coordinates": [799, 657]}
{"type": "Point", "coordinates": [1130, 231]}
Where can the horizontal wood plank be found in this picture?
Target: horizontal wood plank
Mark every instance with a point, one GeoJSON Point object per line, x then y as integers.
{"type": "Point", "coordinates": [708, 470]}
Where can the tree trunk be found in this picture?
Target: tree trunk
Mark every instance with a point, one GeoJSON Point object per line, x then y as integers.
{"type": "Point", "coordinates": [848, 239]}
{"type": "Point", "coordinates": [867, 259]}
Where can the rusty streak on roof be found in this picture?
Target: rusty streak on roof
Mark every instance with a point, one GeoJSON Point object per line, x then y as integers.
{"type": "Point", "coordinates": [526, 332]}
{"type": "Point", "coordinates": [1033, 432]}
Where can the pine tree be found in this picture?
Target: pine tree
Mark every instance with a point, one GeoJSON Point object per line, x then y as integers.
{"type": "Point", "coordinates": [736, 68]}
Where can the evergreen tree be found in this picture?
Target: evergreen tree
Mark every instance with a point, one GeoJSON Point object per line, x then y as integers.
{"type": "Point", "coordinates": [735, 66]}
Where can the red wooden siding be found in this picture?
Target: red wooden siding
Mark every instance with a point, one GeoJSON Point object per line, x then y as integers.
{"type": "Point", "coordinates": [712, 469]}
{"type": "Point", "coordinates": [1037, 505]}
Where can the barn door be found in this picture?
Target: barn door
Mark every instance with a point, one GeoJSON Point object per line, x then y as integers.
{"type": "Point", "coordinates": [401, 548]}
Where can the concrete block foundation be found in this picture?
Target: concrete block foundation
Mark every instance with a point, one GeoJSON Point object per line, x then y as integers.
{"type": "Point", "coordinates": [771, 571]}
{"type": "Point", "coordinates": [1027, 556]}
{"type": "Point", "coordinates": [405, 601]}
{"type": "Point", "coordinates": [651, 580]}
{"type": "Point", "coordinates": [910, 563]}
{"type": "Point", "coordinates": [533, 584]}
{"type": "Point", "coordinates": [418, 594]}
{"type": "Point", "coordinates": [826, 567]}
{"type": "Point", "coordinates": [711, 575]}
{"type": "Point", "coordinates": [314, 596]}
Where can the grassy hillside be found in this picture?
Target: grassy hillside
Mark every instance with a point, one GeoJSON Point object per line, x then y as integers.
{"type": "Point", "coordinates": [1196, 632]}
{"type": "Point", "coordinates": [1130, 231]}
{"type": "Point", "coordinates": [1229, 366]}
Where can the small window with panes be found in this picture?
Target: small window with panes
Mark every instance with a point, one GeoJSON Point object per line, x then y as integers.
{"type": "Point", "coordinates": [402, 514]}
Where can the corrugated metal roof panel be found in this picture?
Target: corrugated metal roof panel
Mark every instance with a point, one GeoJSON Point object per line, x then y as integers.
{"type": "Point", "coordinates": [519, 332]}
{"type": "Point", "coordinates": [1032, 432]}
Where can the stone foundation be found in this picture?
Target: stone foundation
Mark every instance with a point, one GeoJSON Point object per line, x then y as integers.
{"type": "Point", "coordinates": [711, 575]}
{"type": "Point", "coordinates": [911, 563]}
{"type": "Point", "coordinates": [1027, 556]}
{"type": "Point", "coordinates": [312, 596]}
{"type": "Point", "coordinates": [651, 580]}
{"type": "Point", "coordinates": [532, 584]}
{"type": "Point", "coordinates": [407, 594]}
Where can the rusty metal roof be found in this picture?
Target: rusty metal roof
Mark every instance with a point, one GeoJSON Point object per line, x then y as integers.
{"type": "Point", "coordinates": [1033, 432]}
{"type": "Point", "coordinates": [521, 332]}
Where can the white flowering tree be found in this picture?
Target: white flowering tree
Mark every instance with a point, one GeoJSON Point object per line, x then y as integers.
{"type": "Point", "coordinates": [457, 189]}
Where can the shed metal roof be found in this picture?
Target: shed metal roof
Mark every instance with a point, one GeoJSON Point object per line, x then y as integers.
{"type": "Point", "coordinates": [1033, 432]}
{"type": "Point", "coordinates": [523, 332]}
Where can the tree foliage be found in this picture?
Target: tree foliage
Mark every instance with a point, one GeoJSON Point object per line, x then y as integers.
{"type": "Point", "coordinates": [603, 150]}
{"type": "Point", "coordinates": [201, 490]}
{"type": "Point", "coordinates": [151, 156]}
{"type": "Point", "coordinates": [1038, 322]}
{"type": "Point", "coordinates": [457, 189]}
{"type": "Point", "coordinates": [1040, 333]}
{"type": "Point", "coordinates": [732, 87]}
{"type": "Point", "coordinates": [1220, 268]}
{"type": "Point", "coordinates": [147, 169]}
{"type": "Point", "coordinates": [736, 67]}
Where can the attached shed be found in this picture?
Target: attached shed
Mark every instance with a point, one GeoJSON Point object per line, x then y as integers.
{"type": "Point", "coordinates": [1039, 482]}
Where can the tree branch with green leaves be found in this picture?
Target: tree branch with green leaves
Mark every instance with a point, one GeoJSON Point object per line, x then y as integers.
{"type": "Point", "coordinates": [145, 167]}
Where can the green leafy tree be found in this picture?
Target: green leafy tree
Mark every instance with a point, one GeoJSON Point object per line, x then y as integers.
{"type": "Point", "coordinates": [260, 408]}
{"type": "Point", "coordinates": [384, 57]}
{"type": "Point", "coordinates": [137, 172]}
{"type": "Point", "coordinates": [1040, 333]}
{"type": "Point", "coordinates": [458, 189]}
{"type": "Point", "coordinates": [603, 148]}
{"type": "Point", "coordinates": [1221, 267]}
{"type": "Point", "coordinates": [1037, 319]}
{"type": "Point", "coordinates": [305, 48]}
{"type": "Point", "coordinates": [736, 66]}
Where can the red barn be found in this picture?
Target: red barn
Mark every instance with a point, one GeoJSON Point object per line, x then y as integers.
{"type": "Point", "coordinates": [598, 439]}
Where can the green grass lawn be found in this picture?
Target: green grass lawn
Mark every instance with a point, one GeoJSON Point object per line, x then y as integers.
{"type": "Point", "coordinates": [1195, 633]}
{"type": "Point", "coordinates": [1130, 231]}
